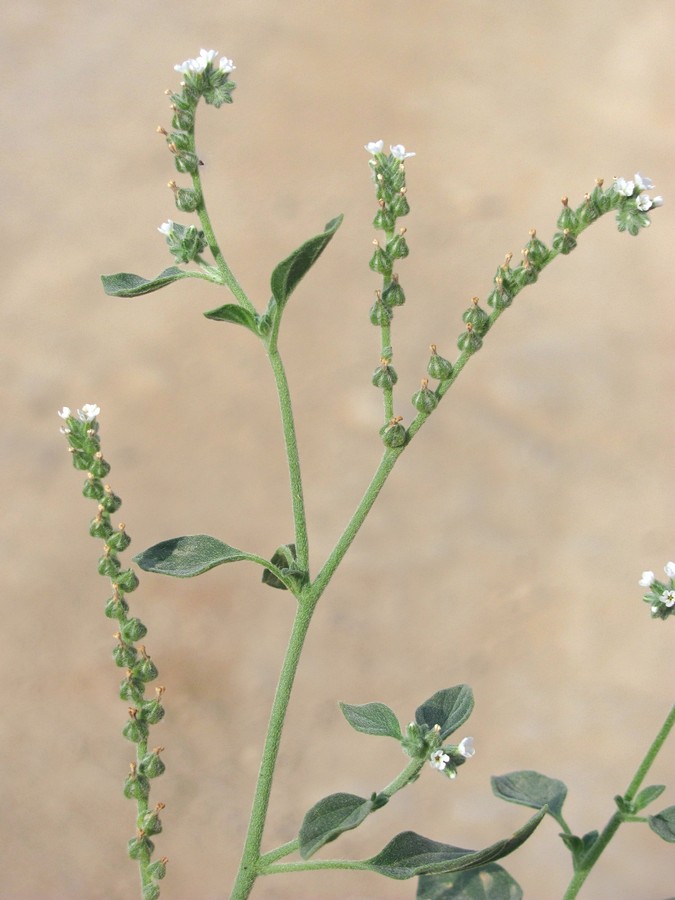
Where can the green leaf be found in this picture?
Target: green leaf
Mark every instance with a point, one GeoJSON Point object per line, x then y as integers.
{"type": "Point", "coordinates": [124, 284]}
{"type": "Point", "coordinates": [372, 718]}
{"type": "Point", "coordinates": [288, 273]}
{"type": "Point", "coordinates": [193, 554]}
{"type": "Point", "coordinates": [448, 708]}
{"type": "Point", "coordinates": [648, 795]}
{"type": "Point", "coordinates": [663, 824]}
{"type": "Point", "coordinates": [410, 854]}
{"type": "Point", "coordinates": [284, 563]}
{"type": "Point", "coordinates": [531, 789]}
{"type": "Point", "coordinates": [328, 818]}
{"type": "Point", "coordinates": [490, 882]}
{"type": "Point", "coordinates": [232, 312]}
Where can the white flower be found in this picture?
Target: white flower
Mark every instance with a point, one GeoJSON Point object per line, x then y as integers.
{"type": "Point", "coordinates": [657, 201]}
{"type": "Point", "coordinates": [466, 747]}
{"type": "Point", "coordinates": [374, 146]}
{"type": "Point", "coordinates": [439, 760]}
{"type": "Point", "coordinates": [669, 567]}
{"type": "Point", "coordinates": [398, 150]}
{"type": "Point", "coordinates": [166, 227]}
{"type": "Point", "coordinates": [65, 412]}
{"type": "Point", "coordinates": [668, 598]}
{"type": "Point", "coordinates": [88, 412]}
{"type": "Point", "coordinates": [642, 182]}
{"type": "Point", "coordinates": [644, 202]}
{"type": "Point", "coordinates": [194, 66]}
{"type": "Point", "coordinates": [647, 579]}
{"type": "Point", "coordinates": [626, 188]}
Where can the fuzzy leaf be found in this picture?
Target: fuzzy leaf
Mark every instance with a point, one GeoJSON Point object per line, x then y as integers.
{"type": "Point", "coordinates": [372, 718]}
{"type": "Point", "coordinates": [289, 272]}
{"type": "Point", "coordinates": [410, 854]}
{"type": "Point", "coordinates": [193, 554]}
{"type": "Point", "coordinates": [328, 818]}
{"type": "Point", "coordinates": [124, 284]}
{"type": "Point", "coordinates": [648, 795]}
{"type": "Point", "coordinates": [663, 824]}
{"type": "Point", "coordinates": [448, 708]}
{"type": "Point", "coordinates": [531, 789]}
{"type": "Point", "coordinates": [491, 882]}
{"type": "Point", "coordinates": [232, 312]}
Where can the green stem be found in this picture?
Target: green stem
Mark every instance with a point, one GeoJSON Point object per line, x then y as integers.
{"type": "Point", "coordinates": [226, 272]}
{"type": "Point", "coordinates": [386, 465]}
{"type": "Point", "coordinates": [249, 867]}
{"type": "Point", "coordinates": [610, 829]}
{"type": "Point", "coordinates": [292, 455]}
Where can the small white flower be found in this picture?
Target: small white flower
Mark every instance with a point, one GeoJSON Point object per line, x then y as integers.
{"type": "Point", "coordinates": [199, 64]}
{"type": "Point", "coordinates": [669, 567]}
{"type": "Point", "coordinates": [657, 201]}
{"type": "Point", "coordinates": [398, 150]}
{"type": "Point", "coordinates": [439, 760]}
{"type": "Point", "coordinates": [644, 202]}
{"type": "Point", "coordinates": [643, 183]}
{"type": "Point", "coordinates": [668, 599]}
{"type": "Point", "coordinates": [207, 55]}
{"type": "Point", "coordinates": [65, 412]}
{"type": "Point", "coordinates": [166, 227]}
{"type": "Point", "coordinates": [88, 412]}
{"type": "Point", "coordinates": [374, 146]}
{"type": "Point", "coordinates": [226, 65]}
{"type": "Point", "coordinates": [466, 747]}
{"type": "Point", "coordinates": [626, 188]}
{"type": "Point", "coordinates": [647, 580]}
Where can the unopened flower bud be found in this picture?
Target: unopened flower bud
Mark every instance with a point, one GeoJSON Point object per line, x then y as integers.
{"type": "Point", "coordinates": [379, 313]}
{"type": "Point", "coordinates": [157, 869]}
{"type": "Point", "coordinates": [537, 252]}
{"type": "Point", "coordinates": [425, 401]}
{"type": "Point", "coordinates": [136, 730]}
{"type": "Point", "coordinates": [469, 340]}
{"type": "Point", "coordinates": [126, 580]}
{"type": "Point", "coordinates": [140, 847]}
{"type": "Point", "coordinates": [187, 199]}
{"type": "Point", "coordinates": [133, 630]}
{"type": "Point", "coordinates": [380, 261]}
{"type": "Point", "coordinates": [564, 242]}
{"type": "Point", "coordinates": [124, 654]}
{"type": "Point", "coordinates": [567, 220]}
{"type": "Point", "coordinates": [393, 433]}
{"type": "Point", "coordinates": [399, 205]}
{"type": "Point", "coordinates": [393, 294]}
{"type": "Point", "coordinates": [477, 318]}
{"type": "Point", "coordinates": [385, 375]}
{"type": "Point", "coordinates": [151, 765]}
{"type": "Point", "coordinates": [397, 248]}
{"type": "Point", "coordinates": [438, 367]}
{"type": "Point", "coordinates": [119, 540]}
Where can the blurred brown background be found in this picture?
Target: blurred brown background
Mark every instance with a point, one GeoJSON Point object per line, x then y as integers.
{"type": "Point", "coordinates": [506, 547]}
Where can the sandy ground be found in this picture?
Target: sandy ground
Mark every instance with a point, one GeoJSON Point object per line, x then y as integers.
{"type": "Point", "coordinates": [506, 547]}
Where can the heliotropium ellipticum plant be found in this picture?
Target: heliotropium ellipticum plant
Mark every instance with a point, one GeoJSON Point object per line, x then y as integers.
{"type": "Point", "coordinates": [443, 870]}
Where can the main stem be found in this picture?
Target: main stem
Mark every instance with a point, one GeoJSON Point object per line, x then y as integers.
{"type": "Point", "coordinates": [249, 865]}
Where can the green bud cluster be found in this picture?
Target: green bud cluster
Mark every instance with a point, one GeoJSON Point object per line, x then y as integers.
{"type": "Point", "coordinates": [213, 84]}
{"type": "Point", "coordinates": [388, 172]}
{"type": "Point", "coordinates": [81, 431]}
{"type": "Point", "coordinates": [185, 242]}
{"type": "Point", "coordinates": [420, 740]}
